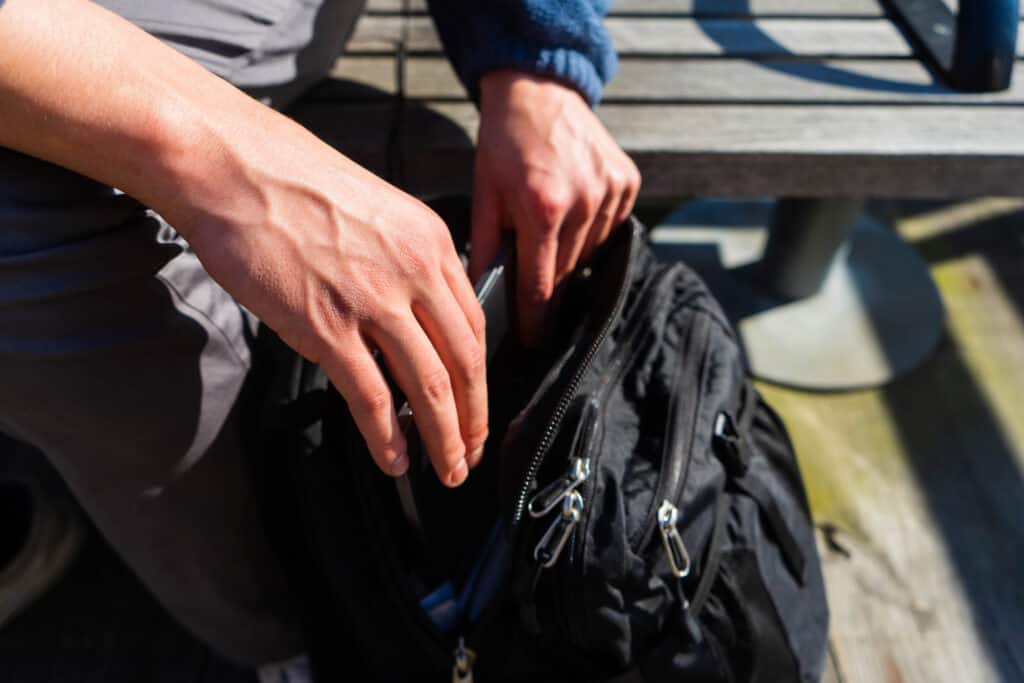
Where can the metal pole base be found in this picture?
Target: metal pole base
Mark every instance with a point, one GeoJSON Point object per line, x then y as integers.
{"type": "Point", "coordinates": [877, 315]}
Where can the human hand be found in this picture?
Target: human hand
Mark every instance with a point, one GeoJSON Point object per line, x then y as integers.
{"type": "Point", "coordinates": [338, 262]}
{"type": "Point", "coordinates": [546, 166]}
{"type": "Point", "coordinates": [331, 257]}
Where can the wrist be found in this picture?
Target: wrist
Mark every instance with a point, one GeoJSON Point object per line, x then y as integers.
{"type": "Point", "coordinates": [502, 85]}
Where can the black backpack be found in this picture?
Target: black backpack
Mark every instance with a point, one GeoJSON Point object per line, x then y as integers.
{"type": "Point", "coordinates": [638, 514]}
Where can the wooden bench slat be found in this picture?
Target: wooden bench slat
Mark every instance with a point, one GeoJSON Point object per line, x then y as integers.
{"type": "Point", "coordinates": [871, 130]}
{"type": "Point", "coordinates": [821, 38]}
{"type": "Point", "coordinates": [802, 37]}
{"type": "Point", "coordinates": [717, 8]}
{"type": "Point", "coordinates": [860, 8]}
{"type": "Point", "coordinates": [737, 81]}
{"type": "Point", "coordinates": [884, 151]}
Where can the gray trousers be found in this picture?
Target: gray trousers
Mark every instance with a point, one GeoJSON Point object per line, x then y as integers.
{"type": "Point", "coordinates": [121, 359]}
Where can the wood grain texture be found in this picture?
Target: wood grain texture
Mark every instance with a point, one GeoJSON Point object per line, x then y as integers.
{"type": "Point", "coordinates": [711, 37]}
{"type": "Point", "coordinates": [827, 130]}
{"type": "Point", "coordinates": [381, 35]}
{"type": "Point", "coordinates": [853, 8]}
{"type": "Point", "coordinates": [710, 125]}
{"type": "Point", "coordinates": [713, 150]}
{"type": "Point", "coordinates": [699, 8]}
{"type": "Point", "coordinates": [919, 484]}
{"type": "Point", "coordinates": [376, 72]}
{"type": "Point", "coordinates": [726, 81]}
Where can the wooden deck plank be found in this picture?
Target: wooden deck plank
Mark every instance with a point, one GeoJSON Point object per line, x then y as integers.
{"type": "Point", "coordinates": [722, 81]}
{"type": "Point", "coordinates": [921, 481]}
{"type": "Point", "coordinates": [899, 609]}
{"type": "Point", "coordinates": [855, 8]}
{"type": "Point", "coordinates": [381, 35]}
{"type": "Point", "coordinates": [376, 72]}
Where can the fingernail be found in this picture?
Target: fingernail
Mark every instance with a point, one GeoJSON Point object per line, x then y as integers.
{"type": "Point", "coordinates": [399, 465]}
{"type": "Point", "coordinates": [458, 473]}
{"type": "Point", "coordinates": [474, 457]}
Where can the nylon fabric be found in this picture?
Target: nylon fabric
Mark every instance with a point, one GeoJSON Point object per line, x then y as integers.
{"type": "Point", "coordinates": [642, 348]}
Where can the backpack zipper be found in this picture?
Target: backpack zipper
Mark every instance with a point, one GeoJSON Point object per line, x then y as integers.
{"type": "Point", "coordinates": [462, 663]}
{"type": "Point", "coordinates": [548, 498]}
{"type": "Point", "coordinates": [675, 549]}
{"type": "Point", "coordinates": [551, 543]}
{"type": "Point", "coordinates": [671, 483]}
{"type": "Point", "coordinates": [570, 391]}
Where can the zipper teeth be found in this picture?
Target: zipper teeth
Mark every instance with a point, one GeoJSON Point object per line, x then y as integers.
{"type": "Point", "coordinates": [648, 529]}
{"type": "Point", "coordinates": [570, 392]}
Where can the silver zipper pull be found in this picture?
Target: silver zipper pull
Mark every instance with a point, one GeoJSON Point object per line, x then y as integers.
{"type": "Point", "coordinates": [668, 515]}
{"type": "Point", "coordinates": [462, 664]}
{"type": "Point", "coordinates": [554, 539]}
{"type": "Point", "coordinates": [583, 441]}
{"type": "Point", "coordinates": [551, 495]}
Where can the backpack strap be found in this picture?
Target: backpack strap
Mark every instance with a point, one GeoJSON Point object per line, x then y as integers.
{"type": "Point", "coordinates": [733, 449]}
{"type": "Point", "coordinates": [791, 552]}
{"type": "Point", "coordinates": [713, 555]}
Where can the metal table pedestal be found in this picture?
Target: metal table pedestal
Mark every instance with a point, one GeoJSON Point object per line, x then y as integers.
{"type": "Point", "coordinates": [826, 299]}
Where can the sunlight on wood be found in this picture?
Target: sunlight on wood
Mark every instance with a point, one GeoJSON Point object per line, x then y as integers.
{"type": "Point", "coordinates": [917, 486]}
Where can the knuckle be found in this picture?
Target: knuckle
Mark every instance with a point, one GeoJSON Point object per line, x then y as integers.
{"type": "Point", "coordinates": [536, 291]}
{"type": "Point", "coordinates": [477, 321]}
{"type": "Point", "coordinates": [473, 363]}
{"type": "Point", "coordinates": [390, 317]}
{"type": "Point", "coordinates": [618, 181]}
{"type": "Point", "coordinates": [423, 250]}
{"type": "Point", "coordinates": [633, 176]}
{"type": "Point", "coordinates": [593, 198]}
{"type": "Point", "coordinates": [452, 453]}
{"type": "Point", "coordinates": [437, 386]}
{"type": "Point", "coordinates": [388, 452]}
{"type": "Point", "coordinates": [375, 401]}
{"type": "Point", "coordinates": [550, 204]}
{"type": "Point", "coordinates": [420, 261]}
{"type": "Point", "coordinates": [476, 435]}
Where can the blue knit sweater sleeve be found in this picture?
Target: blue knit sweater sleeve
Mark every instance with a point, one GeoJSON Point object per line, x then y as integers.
{"type": "Point", "coordinates": [565, 39]}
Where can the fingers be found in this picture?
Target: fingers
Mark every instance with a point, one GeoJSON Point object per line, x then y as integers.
{"type": "Point", "coordinates": [622, 187]}
{"type": "Point", "coordinates": [423, 377]}
{"type": "Point", "coordinates": [465, 297]}
{"type": "Point", "coordinates": [574, 236]}
{"type": "Point", "coordinates": [630, 191]}
{"type": "Point", "coordinates": [358, 378]}
{"type": "Point", "coordinates": [486, 231]}
{"type": "Point", "coordinates": [456, 330]}
{"type": "Point", "coordinates": [536, 253]}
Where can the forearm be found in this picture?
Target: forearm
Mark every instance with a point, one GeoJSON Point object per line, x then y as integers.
{"type": "Point", "coordinates": [82, 88]}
